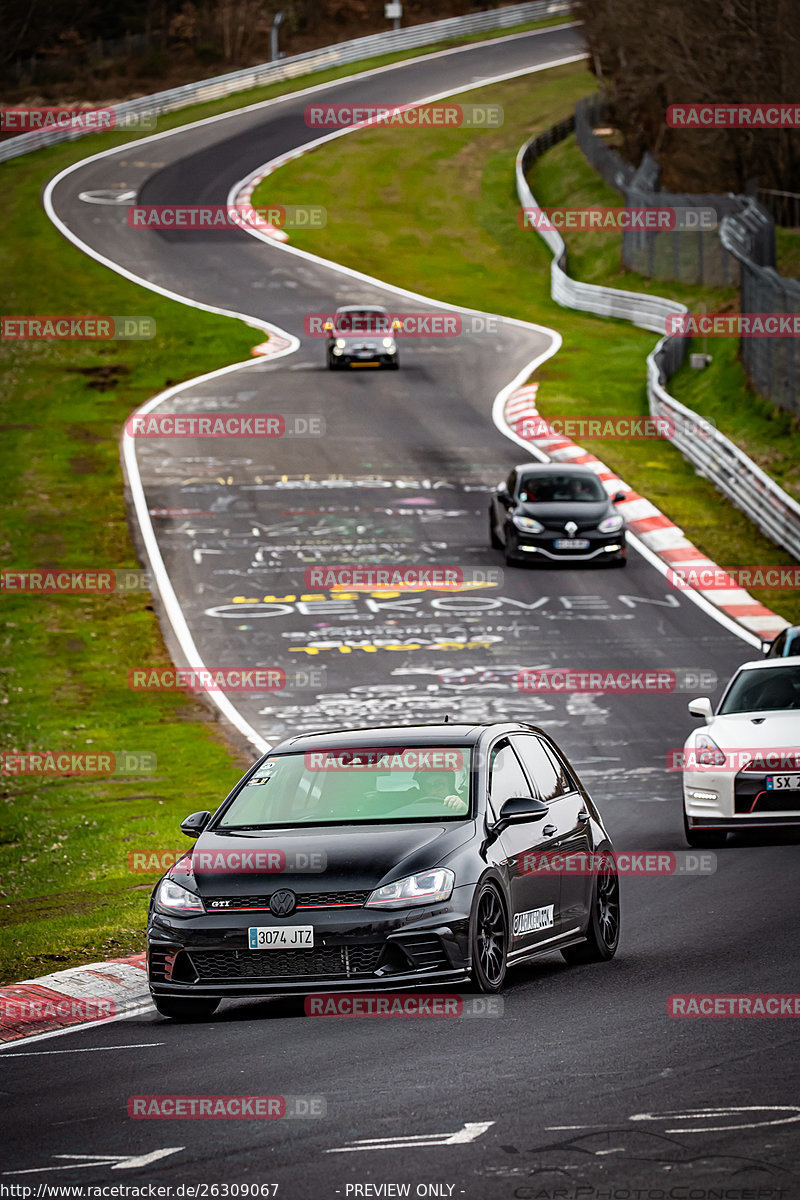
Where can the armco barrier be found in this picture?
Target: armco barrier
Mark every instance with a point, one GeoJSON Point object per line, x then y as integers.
{"type": "Point", "coordinates": [301, 64]}
{"type": "Point", "coordinates": [717, 458]}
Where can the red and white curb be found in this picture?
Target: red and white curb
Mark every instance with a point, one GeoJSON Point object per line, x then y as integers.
{"type": "Point", "coordinates": [80, 996]}
{"type": "Point", "coordinates": [648, 523]}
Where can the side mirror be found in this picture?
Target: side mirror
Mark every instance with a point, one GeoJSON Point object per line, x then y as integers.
{"type": "Point", "coordinates": [618, 497]}
{"type": "Point", "coordinates": [766, 645]}
{"type": "Point", "coordinates": [502, 492]}
{"type": "Point", "coordinates": [517, 809]}
{"type": "Point", "coordinates": [194, 824]}
{"type": "Point", "coordinates": [701, 707]}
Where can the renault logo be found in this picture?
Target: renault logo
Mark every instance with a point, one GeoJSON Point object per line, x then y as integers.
{"type": "Point", "coordinates": [282, 903]}
{"type": "Point", "coordinates": [571, 528]}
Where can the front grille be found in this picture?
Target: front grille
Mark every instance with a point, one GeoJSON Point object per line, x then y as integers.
{"type": "Point", "coordinates": [344, 961]}
{"type": "Point", "coordinates": [304, 900]}
{"type": "Point", "coordinates": [768, 801]}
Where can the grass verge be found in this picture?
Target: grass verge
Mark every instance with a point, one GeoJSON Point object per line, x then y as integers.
{"type": "Point", "coordinates": [435, 211]}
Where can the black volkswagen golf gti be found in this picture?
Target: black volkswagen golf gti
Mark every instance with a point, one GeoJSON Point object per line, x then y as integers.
{"type": "Point", "coordinates": [385, 858]}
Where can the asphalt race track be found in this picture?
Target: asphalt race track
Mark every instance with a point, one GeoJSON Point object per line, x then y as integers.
{"type": "Point", "coordinates": [584, 1081]}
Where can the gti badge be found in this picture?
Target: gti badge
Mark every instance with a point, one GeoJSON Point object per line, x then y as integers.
{"type": "Point", "coordinates": [571, 528]}
{"type": "Point", "coordinates": [282, 903]}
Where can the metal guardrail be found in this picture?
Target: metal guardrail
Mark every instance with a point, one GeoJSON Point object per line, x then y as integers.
{"type": "Point", "coordinates": [717, 458]}
{"type": "Point", "coordinates": [300, 64]}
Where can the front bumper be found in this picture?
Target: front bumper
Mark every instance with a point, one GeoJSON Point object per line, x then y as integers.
{"type": "Point", "coordinates": [608, 547]}
{"type": "Point", "coordinates": [720, 799]}
{"type": "Point", "coordinates": [209, 956]}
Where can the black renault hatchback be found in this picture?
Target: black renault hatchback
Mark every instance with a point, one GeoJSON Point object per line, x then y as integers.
{"type": "Point", "coordinates": [385, 858]}
{"type": "Point", "coordinates": [556, 512]}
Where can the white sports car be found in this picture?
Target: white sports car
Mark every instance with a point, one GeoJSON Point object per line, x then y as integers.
{"type": "Point", "coordinates": [743, 769]}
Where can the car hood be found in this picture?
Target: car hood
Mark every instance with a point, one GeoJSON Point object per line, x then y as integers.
{"type": "Point", "coordinates": [353, 858]}
{"type": "Point", "coordinates": [363, 339]}
{"type": "Point", "coordinates": [756, 730]}
{"type": "Point", "coordinates": [585, 514]}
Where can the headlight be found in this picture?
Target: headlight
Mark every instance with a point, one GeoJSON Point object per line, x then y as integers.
{"type": "Point", "coordinates": [340, 343]}
{"type": "Point", "coordinates": [425, 888]}
{"type": "Point", "coordinates": [707, 752]}
{"type": "Point", "coordinates": [528, 524]}
{"type": "Point", "coordinates": [388, 344]}
{"type": "Point", "coordinates": [611, 524]}
{"type": "Point", "coordinates": [176, 899]}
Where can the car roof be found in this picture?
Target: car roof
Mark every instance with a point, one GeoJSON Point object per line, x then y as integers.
{"type": "Point", "coordinates": [443, 733]}
{"type": "Point", "coordinates": [760, 664]}
{"type": "Point", "coordinates": [554, 469]}
{"type": "Point", "coordinates": [346, 308]}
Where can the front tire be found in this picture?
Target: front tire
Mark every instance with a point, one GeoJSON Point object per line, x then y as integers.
{"type": "Point", "coordinates": [188, 1009]}
{"type": "Point", "coordinates": [703, 839]}
{"type": "Point", "coordinates": [489, 941]}
{"type": "Point", "coordinates": [603, 933]}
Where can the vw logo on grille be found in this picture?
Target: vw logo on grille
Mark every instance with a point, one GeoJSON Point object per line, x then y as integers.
{"type": "Point", "coordinates": [571, 528]}
{"type": "Point", "coordinates": [282, 903]}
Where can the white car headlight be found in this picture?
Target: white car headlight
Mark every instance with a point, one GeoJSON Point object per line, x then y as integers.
{"type": "Point", "coordinates": [707, 752]}
{"type": "Point", "coordinates": [388, 344]}
{"type": "Point", "coordinates": [176, 899]}
{"type": "Point", "coordinates": [528, 524]}
{"type": "Point", "coordinates": [340, 343]}
{"type": "Point", "coordinates": [611, 524]}
{"type": "Point", "coordinates": [425, 888]}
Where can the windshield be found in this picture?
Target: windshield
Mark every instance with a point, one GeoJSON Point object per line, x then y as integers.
{"type": "Point", "coordinates": [554, 489]}
{"type": "Point", "coordinates": [770, 690]}
{"type": "Point", "coordinates": [367, 321]}
{"type": "Point", "coordinates": [354, 786]}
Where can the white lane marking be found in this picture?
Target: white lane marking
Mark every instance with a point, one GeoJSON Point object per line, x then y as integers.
{"type": "Point", "coordinates": [108, 196]}
{"type": "Point", "coordinates": [469, 1133]}
{"type": "Point", "coordinates": [146, 1006]}
{"type": "Point", "coordinates": [116, 1162]}
{"type": "Point", "coordinates": [694, 1114]}
{"type": "Point", "coordinates": [159, 570]}
{"type": "Point", "coordinates": [78, 1050]}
